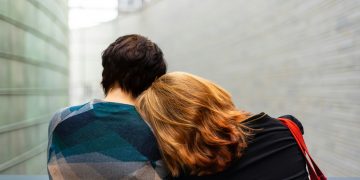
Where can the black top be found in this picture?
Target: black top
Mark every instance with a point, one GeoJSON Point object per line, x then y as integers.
{"type": "Point", "coordinates": [272, 154]}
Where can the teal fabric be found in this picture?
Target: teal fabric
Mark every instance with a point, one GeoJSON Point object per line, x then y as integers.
{"type": "Point", "coordinates": [102, 140]}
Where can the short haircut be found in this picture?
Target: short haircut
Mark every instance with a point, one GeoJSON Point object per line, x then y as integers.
{"type": "Point", "coordinates": [132, 61]}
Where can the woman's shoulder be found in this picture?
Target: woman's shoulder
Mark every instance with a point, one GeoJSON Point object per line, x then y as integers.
{"type": "Point", "coordinates": [263, 120]}
{"type": "Point", "coordinates": [295, 120]}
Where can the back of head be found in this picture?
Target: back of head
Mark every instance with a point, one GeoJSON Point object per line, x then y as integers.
{"type": "Point", "coordinates": [133, 62]}
{"type": "Point", "coordinates": [195, 122]}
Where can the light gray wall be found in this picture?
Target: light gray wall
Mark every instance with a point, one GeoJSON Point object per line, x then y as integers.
{"type": "Point", "coordinates": [33, 79]}
{"type": "Point", "coordinates": [281, 57]}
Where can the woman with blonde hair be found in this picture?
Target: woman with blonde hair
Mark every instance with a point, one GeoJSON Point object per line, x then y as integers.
{"type": "Point", "coordinates": [202, 135]}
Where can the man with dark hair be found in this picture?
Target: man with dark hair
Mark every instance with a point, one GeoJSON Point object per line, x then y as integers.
{"type": "Point", "coordinates": [107, 139]}
{"type": "Point", "coordinates": [131, 62]}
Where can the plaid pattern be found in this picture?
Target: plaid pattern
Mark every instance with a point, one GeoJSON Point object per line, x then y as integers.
{"type": "Point", "coordinates": [102, 140]}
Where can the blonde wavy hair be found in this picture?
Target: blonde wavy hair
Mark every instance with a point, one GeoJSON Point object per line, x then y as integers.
{"type": "Point", "coordinates": [196, 124]}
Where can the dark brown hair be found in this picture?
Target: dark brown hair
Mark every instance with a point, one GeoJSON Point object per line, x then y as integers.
{"type": "Point", "coordinates": [132, 61]}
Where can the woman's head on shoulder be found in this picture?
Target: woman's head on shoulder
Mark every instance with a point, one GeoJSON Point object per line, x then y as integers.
{"type": "Point", "coordinates": [196, 123]}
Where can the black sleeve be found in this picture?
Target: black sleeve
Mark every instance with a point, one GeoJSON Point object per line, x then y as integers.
{"type": "Point", "coordinates": [296, 121]}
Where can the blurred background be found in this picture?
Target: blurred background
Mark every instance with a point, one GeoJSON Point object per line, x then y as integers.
{"type": "Point", "coordinates": [275, 56]}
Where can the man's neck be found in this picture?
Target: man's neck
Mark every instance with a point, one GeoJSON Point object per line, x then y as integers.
{"type": "Point", "coordinates": [116, 94]}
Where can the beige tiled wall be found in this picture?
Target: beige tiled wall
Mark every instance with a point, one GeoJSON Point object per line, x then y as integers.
{"type": "Point", "coordinates": [33, 79]}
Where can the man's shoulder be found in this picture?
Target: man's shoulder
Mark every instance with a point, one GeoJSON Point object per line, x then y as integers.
{"type": "Point", "coordinates": [67, 112]}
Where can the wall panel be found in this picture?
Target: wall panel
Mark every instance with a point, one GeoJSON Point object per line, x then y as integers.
{"type": "Point", "coordinates": [33, 80]}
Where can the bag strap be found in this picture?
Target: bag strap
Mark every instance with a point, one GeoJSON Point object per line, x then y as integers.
{"type": "Point", "coordinates": [314, 171]}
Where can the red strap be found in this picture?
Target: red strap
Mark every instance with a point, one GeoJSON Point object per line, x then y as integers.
{"type": "Point", "coordinates": [314, 171]}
